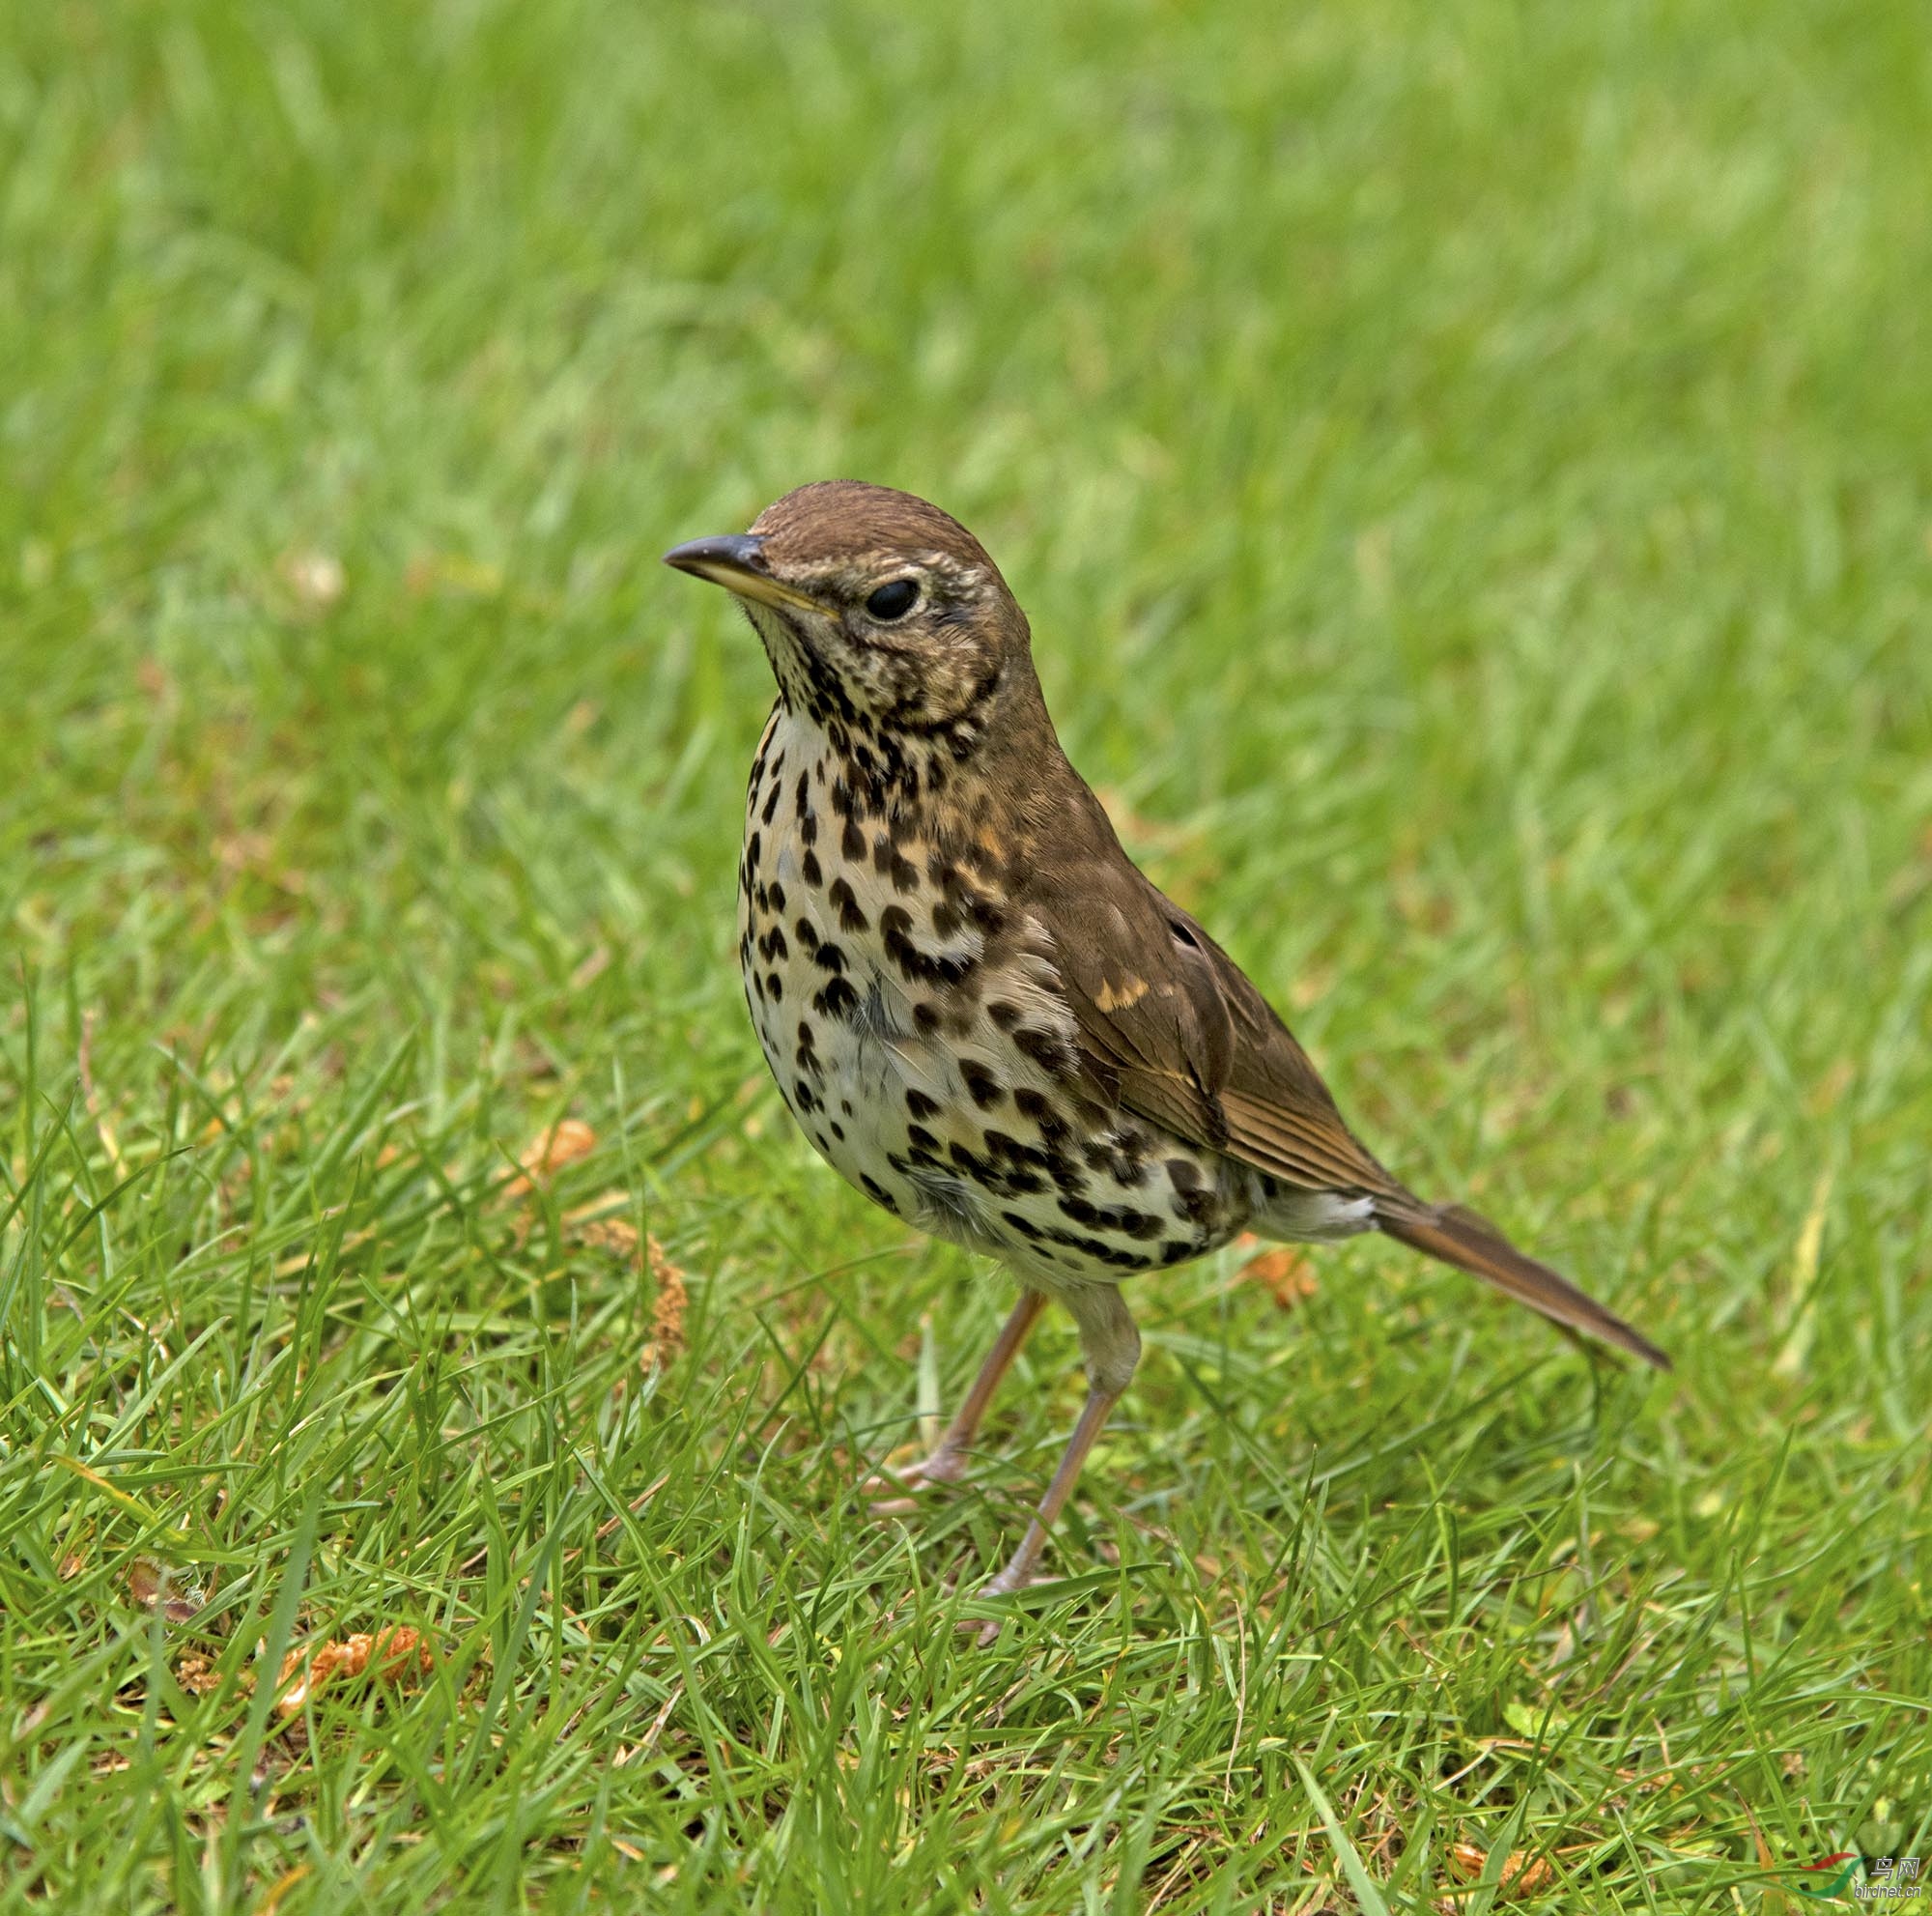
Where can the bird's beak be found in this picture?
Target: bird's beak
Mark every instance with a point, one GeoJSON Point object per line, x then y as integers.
{"type": "Point", "coordinates": [736, 561]}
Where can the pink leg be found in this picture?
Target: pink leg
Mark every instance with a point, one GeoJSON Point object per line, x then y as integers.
{"type": "Point", "coordinates": [1019, 1568]}
{"type": "Point", "coordinates": [947, 1463]}
{"type": "Point", "coordinates": [1112, 1348]}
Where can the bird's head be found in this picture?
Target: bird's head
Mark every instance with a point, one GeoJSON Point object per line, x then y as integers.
{"type": "Point", "coordinates": [876, 609]}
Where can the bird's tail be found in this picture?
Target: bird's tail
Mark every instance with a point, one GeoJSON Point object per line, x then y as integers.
{"type": "Point", "coordinates": [1473, 1243]}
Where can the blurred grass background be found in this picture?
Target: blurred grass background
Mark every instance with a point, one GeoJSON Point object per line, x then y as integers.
{"type": "Point", "coordinates": [1467, 469]}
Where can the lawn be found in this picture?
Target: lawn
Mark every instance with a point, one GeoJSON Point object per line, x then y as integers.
{"type": "Point", "coordinates": [1469, 470]}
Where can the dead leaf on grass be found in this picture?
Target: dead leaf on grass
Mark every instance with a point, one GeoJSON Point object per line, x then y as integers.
{"type": "Point", "coordinates": [1288, 1276]}
{"type": "Point", "coordinates": [1522, 1874]}
{"type": "Point", "coordinates": [155, 1585]}
{"type": "Point", "coordinates": [199, 1678]}
{"type": "Point", "coordinates": [548, 1152]}
{"type": "Point", "coordinates": [621, 1237]}
{"type": "Point", "coordinates": [396, 1654]}
{"type": "Point", "coordinates": [666, 1313]}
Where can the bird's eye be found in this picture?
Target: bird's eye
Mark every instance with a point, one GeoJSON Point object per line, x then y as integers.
{"type": "Point", "coordinates": [893, 599]}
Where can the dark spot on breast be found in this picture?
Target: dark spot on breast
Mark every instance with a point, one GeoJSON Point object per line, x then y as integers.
{"type": "Point", "coordinates": [878, 1193]}
{"type": "Point", "coordinates": [981, 1086]}
{"type": "Point", "coordinates": [828, 956]}
{"type": "Point", "coordinates": [1198, 1207]}
{"type": "Point", "coordinates": [903, 873]}
{"type": "Point", "coordinates": [808, 936]}
{"type": "Point", "coordinates": [1106, 1155]}
{"type": "Point", "coordinates": [850, 917]}
{"type": "Point", "coordinates": [777, 895]}
{"type": "Point", "coordinates": [1068, 1176]}
{"type": "Point", "coordinates": [926, 1018]}
{"type": "Point", "coordinates": [1182, 1173]}
{"type": "Point", "coordinates": [802, 1097]}
{"type": "Point", "coordinates": [838, 1130]}
{"type": "Point", "coordinates": [1046, 1050]}
{"type": "Point", "coordinates": [1021, 1164]}
{"type": "Point", "coordinates": [918, 967]}
{"type": "Point", "coordinates": [809, 870]}
{"type": "Point", "coordinates": [772, 943]}
{"type": "Point", "coordinates": [945, 920]}
{"type": "Point", "coordinates": [771, 804]}
{"type": "Point", "coordinates": [920, 1139]}
{"type": "Point", "coordinates": [837, 1000]}
{"type": "Point", "coordinates": [968, 1160]}
{"type": "Point", "coordinates": [1003, 1015]}
{"type": "Point", "coordinates": [775, 984]}
{"type": "Point", "coordinates": [1098, 1252]}
{"type": "Point", "coordinates": [919, 1103]}
{"type": "Point", "coordinates": [852, 842]}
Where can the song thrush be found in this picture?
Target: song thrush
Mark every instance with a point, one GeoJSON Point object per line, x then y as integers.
{"type": "Point", "coordinates": [976, 1007]}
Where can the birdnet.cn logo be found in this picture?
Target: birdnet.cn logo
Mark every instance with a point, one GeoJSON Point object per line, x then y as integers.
{"type": "Point", "coordinates": [1888, 1880]}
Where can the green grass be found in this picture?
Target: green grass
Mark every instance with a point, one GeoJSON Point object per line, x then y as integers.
{"type": "Point", "coordinates": [1470, 473]}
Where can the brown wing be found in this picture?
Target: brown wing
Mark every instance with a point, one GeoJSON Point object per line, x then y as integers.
{"type": "Point", "coordinates": [1174, 1025]}
{"type": "Point", "coordinates": [1171, 1019]}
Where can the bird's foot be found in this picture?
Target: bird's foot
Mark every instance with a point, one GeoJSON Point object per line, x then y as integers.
{"type": "Point", "coordinates": [892, 1492]}
{"type": "Point", "coordinates": [984, 1629]}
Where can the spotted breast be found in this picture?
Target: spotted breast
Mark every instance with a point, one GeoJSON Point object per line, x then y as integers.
{"type": "Point", "coordinates": [914, 1019]}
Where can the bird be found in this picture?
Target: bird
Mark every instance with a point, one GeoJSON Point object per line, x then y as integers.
{"type": "Point", "coordinates": [979, 1010]}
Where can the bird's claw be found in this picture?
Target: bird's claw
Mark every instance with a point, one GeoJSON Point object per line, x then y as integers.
{"type": "Point", "coordinates": [984, 1629]}
{"type": "Point", "coordinates": [891, 1492]}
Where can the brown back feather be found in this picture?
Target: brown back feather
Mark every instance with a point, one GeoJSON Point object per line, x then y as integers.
{"type": "Point", "coordinates": [1181, 1035]}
